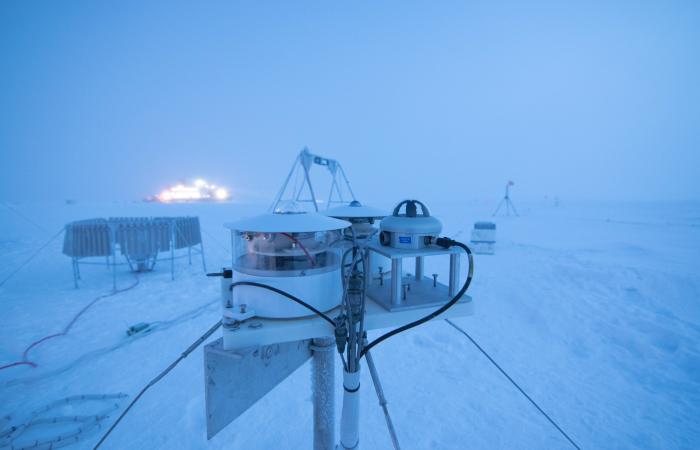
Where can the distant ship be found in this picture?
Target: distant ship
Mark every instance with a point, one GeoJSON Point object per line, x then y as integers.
{"type": "Point", "coordinates": [199, 191]}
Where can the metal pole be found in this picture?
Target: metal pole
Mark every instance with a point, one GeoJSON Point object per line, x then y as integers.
{"type": "Point", "coordinates": [347, 182]}
{"type": "Point", "coordinates": [513, 206]}
{"type": "Point", "coordinates": [350, 415]}
{"type": "Point", "coordinates": [498, 208]}
{"type": "Point", "coordinates": [75, 273]}
{"type": "Point", "coordinates": [112, 246]}
{"type": "Point", "coordinates": [284, 186]}
{"type": "Point", "coordinates": [308, 182]}
{"type": "Point", "coordinates": [322, 385]}
{"type": "Point", "coordinates": [330, 194]}
{"type": "Point", "coordinates": [382, 400]}
{"type": "Point", "coordinates": [396, 281]}
{"type": "Point", "coordinates": [507, 199]}
{"type": "Point", "coordinates": [454, 274]}
{"type": "Point", "coordinates": [419, 268]}
{"type": "Point", "coordinates": [204, 262]}
{"type": "Point", "coordinates": [172, 250]}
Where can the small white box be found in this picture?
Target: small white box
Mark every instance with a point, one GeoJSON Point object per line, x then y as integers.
{"type": "Point", "coordinates": [483, 239]}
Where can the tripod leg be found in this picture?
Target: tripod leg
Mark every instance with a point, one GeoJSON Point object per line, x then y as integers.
{"type": "Point", "coordinates": [513, 206]}
{"type": "Point", "coordinates": [499, 207]}
{"type": "Point", "coordinates": [382, 400]}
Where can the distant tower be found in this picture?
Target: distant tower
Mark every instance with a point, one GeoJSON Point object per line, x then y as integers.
{"type": "Point", "coordinates": [506, 200]}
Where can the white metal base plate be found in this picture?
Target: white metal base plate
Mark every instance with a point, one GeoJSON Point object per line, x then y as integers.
{"type": "Point", "coordinates": [258, 331]}
{"type": "Point", "coordinates": [421, 294]}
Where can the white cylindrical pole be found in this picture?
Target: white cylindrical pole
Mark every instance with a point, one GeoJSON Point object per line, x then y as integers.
{"type": "Point", "coordinates": [350, 416]}
{"type": "Point", "coordinates": [322, 385]}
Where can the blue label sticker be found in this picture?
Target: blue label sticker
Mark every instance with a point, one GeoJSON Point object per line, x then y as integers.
{"type": "Point", "coordinates": [404, 239]}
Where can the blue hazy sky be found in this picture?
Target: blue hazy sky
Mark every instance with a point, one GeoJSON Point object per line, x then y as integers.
{"type": "Point", "coordinates": [113, 100]}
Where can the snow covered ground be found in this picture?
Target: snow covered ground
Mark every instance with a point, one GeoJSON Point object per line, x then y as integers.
{"type": "Point", "coordinates": [593, 308]}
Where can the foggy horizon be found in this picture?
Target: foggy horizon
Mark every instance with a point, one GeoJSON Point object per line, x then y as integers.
{"type": "Point", "coordinates": [580, 101]}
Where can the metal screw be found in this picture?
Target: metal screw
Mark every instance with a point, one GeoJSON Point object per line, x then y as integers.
{"type": "Point", "coordinates": [243, 307]}
{"type": "Point", "coordinates": [405, 290]}
{"type": "Point", "coordinates": [231, 324]}
{"type": "Point", "coordinates": [381, 276]}
{"type": "Point", "coordinates": [435, 279]}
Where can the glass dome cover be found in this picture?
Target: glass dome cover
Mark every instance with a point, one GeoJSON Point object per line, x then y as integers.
{"type": "Point", "coordinates": [286, 244]}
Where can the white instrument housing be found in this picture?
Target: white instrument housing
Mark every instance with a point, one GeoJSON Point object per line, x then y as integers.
{"type": "Point", "coordinates": [298, 253]}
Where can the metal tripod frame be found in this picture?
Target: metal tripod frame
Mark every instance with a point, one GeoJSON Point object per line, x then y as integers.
{"type": "Point", "coordinates": [305, 160]}
{"type": "Point", "coordinates": [508, 202]}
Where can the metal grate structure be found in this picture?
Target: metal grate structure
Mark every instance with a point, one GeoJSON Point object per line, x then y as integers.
{"type": "Point", "coordinates": [138, 239]}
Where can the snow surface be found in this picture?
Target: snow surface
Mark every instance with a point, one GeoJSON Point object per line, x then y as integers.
{"type": "Point", "coordinates": [593, 308]}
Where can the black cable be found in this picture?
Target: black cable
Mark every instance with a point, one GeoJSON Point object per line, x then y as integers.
{"type": "Point", "coordinates": [160, 376]}
{"type": "Point", "coordinates": [513, 382]}
{"type": "Point", "coordinates": [444, 242]}
{"type": "Point", "coordinates": [288, 295]}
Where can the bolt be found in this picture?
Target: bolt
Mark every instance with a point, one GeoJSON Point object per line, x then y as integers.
{"type": "Point", "coordinates": [405, 290]}
{"type": "Point", "coordinates": [435, 279]}
{"type": "Point", "coordinates": [231, 324]}
{"type": "Point", "coordinates": [243, 308]}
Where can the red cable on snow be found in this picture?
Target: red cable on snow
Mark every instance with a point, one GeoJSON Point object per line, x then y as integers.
{"type": "Point", "coordinates": [25, 354]}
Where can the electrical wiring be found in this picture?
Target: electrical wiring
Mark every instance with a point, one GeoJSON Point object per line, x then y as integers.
{"type": "Point", "coordinates": [155, 327]}
{"type": "Point", "coordinates": [288, 295]}
{"type": "Point", "coordinates": [517, 386]}
{"type": "Point", "coordinates": [25, 354]}
{"type": "Point", "coordinates": [443, 242]}
{"type": "Point", "coordinates": [159, 377]}
{"type": "Point", "coordinates": [12, 435]}
{"type": "Point", "coordinates": [302, 247]}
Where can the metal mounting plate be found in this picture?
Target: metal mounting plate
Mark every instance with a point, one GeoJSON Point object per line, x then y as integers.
{"type": "Point", "coordinates": [235, 379]}
{"type": "Point", "coordinates": [395, 253]}
{"type": "Point", "coordinates": [421, 294]}
{"type": "Point", "coordinates": [267, 331]}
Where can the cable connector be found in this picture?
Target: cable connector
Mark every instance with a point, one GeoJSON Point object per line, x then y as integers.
{"type": "Point", "coordinates": [226, 273]}
{"type": "Point", "coordinates": [341, 334]}
{"type": "Point", "coordinates": [444, 242]}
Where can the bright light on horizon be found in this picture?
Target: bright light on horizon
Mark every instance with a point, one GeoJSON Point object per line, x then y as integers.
{"type": "Point", "coordinates": [199, 190]}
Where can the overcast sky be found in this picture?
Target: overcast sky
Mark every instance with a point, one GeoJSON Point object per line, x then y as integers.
{"type": "Point", "coordinates": [114, 100]}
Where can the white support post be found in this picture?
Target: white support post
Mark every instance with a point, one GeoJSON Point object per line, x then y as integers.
{"type": "Point", "coordinates": [396, 281]}
{"type": "Point", "coordinates": [419, 267]}
{"type": "Point", "coordinates": [454, 274]}
{"type": "Point", "coordinates": [323, 389]}
{"type": "Point", "coordinates": [350, 416]}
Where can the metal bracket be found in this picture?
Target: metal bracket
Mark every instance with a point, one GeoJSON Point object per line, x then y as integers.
{"type": "Point", "coordinates": [235, 379]}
